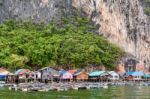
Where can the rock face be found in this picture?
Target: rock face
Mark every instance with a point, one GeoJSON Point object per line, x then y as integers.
{"type": "Point", "coordinates": [35, 10]}
{"type": "Point", "coordinates": [123, 22]}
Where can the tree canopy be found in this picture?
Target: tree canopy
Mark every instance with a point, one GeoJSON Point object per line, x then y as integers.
{"type": "Point", "coordinates": [65, 43]}
{"type": "Point", "coordinates": [147, 8]}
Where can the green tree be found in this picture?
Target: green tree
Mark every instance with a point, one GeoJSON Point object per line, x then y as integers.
{"type": "Point", "coordinates": [71, 42]}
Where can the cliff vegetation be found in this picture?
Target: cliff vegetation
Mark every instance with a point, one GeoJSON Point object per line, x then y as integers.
{"type": "Point", "coordinates": [70, 43]}
{"type": "Point", "coordinates": [147, 9]}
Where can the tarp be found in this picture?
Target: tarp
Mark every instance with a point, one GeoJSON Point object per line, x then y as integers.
{"type": "Point", "coordinates": [61, 72]}
{"type": "Point", "coordinates": [2, 77]}
{"type": "Point", "coordinates": [137, 73]}
{"type": "Point", "coordinates": [96, 73]}
{"type": "Point", "coordinates": [65, 74]}
{"type": "Point", "coordinates": [22, 71]}
{"type": "Point", "coordinates": [3, 73]}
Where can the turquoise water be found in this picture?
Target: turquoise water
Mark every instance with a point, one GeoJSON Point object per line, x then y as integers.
{"type": "Point", "coordinates": [110, 93]}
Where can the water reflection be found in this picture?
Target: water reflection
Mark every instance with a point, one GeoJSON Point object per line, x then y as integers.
{"type": "Point", "coordinates": [124, 93]}
{"type": "Point", "coordinates": [110, 93]}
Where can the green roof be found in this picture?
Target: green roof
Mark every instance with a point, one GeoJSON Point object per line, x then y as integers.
{"type": "Point", "coordinates": [96, 73]}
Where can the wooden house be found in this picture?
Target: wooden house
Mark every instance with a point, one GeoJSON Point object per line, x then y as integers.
{"type": "Point", "coordinates": [81, 75]}
{"type": "Point", "coordinates": [65, 75]}
{"type": "Point", "coordinates": [3, 73]}
{"type": "Point", "coordinates": [22, 75]}
{"type": "Point", "coordinates": [134, 75]}
{"type": "Point", "coordinates": [114, 76]}
{"type": "Point", "coordinates": [99, 76]}
{"type": "Point", "coordinates": [49, 74]}
{"type": "Point", "coordinates": [146, 76]}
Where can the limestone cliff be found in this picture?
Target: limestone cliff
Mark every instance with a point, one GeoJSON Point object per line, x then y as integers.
{"type": "Point", "coordinates": [35, 10]}
{"type": "Point", "coordinates": [123, 22]}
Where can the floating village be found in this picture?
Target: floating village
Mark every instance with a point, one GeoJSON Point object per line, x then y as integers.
{"type": "Point", "coordinates": [52, 79]}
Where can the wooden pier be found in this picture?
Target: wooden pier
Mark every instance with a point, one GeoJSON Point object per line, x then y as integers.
{"type": "Point", "coordinates": [57, 86]}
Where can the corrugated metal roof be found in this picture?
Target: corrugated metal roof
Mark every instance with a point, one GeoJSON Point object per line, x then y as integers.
{"type": "Point", "coordinates": [96, 73]}
{"type": "Point", "coordinates": [146, 76]}
{"type": "Point", "coordinates": [113, 73]}
{"type": "Point", "coordinates": [137, 73]}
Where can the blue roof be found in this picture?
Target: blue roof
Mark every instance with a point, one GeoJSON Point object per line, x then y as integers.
{"type": "Point", "coordinates": [2, 76]}
{"type": "Point", "coordinates": [138, 73]}
{"type": "Point", "coordinates": [62, 72]}
{"type": "Point", "coordinates": [96, 73]}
